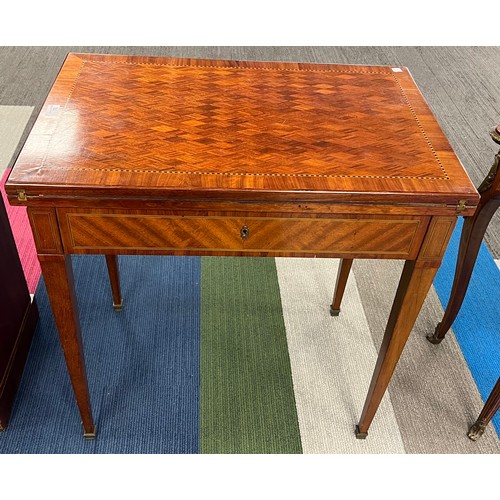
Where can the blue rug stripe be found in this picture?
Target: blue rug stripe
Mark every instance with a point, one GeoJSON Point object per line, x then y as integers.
{"type": "Point", "coordinates": [142, 364]}
{"type": "Point", "coordinates": [477, 326]}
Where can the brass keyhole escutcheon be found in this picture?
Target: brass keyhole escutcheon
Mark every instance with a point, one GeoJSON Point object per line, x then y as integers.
{"type": "Point", "coordinates": [245, 232]}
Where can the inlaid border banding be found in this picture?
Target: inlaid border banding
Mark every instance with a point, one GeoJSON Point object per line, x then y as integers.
{"type": "Point", "coordinates": [242, 173]}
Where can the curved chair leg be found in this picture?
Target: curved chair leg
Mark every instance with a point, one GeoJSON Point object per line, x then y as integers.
{"type": "Point", "coordinates": [114, 279]}
{"type": "Point", "coordinates": [490, 408]}
{"type": "Point", "coordinates": [470, 243]}
{"type": "Point", "coordinates": [342, 276]}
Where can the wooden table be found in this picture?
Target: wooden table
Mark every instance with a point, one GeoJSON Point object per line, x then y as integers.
{"type": "Point", "coordinates": [139, 155]}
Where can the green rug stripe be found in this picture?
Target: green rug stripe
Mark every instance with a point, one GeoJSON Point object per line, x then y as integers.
{"type": "Point", "coordinates": [247, 403]}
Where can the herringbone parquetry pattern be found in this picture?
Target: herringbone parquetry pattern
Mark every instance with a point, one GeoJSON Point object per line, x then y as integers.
{"type": "Point", "coordinates": [249, 121]}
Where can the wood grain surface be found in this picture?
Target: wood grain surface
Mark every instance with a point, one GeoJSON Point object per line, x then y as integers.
{"type": "Point", "coordinates": [126, 232]}
{"type": "Point", "coordinates": [167, 128]}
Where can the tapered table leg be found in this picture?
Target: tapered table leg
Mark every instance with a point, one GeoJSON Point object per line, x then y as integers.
{"type": "Point", "coordinates": [342, 276]}
{"type": "Point", "coordinates": [415, 282]}
{"type": "Point", "coordinates": [58, 276]}
{"type": "Point", "coordinates": [114, 279]}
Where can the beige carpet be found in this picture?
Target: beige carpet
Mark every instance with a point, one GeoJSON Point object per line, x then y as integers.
{"type": "Point", "coordinates": [13, 120]}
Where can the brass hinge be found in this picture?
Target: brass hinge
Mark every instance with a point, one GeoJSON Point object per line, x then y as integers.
{"type": "Point", "coordinates": [22, 196]}
{"type": "Point", "coordinates": [461, 205]}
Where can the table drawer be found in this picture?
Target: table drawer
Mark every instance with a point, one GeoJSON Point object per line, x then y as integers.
{"type": "Point", "coordinates": [135, 233]}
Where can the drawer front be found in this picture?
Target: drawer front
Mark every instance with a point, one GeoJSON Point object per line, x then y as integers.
{"type": "Point", "coordinates": [132, 233]}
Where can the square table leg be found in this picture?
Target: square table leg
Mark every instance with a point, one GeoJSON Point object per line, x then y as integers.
{"type": "Point", "coordinates": [411, 293]}
{"type": "Point", "coordinates": [114, 280]}
{"type": "Point", "coordinates": [342, 276]}
{"type": "Point", "coordinates": [57, 273]}
{"type": "Point", "coordinates": [416, 280]}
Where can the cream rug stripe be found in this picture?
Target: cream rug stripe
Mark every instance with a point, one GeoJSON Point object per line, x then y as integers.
{"type": "Point", "coordinates": [13, 120]}
{"type": "Point", "coordinates": [332, 360]}
{"type": "Point", "coordinates": [434, 396]}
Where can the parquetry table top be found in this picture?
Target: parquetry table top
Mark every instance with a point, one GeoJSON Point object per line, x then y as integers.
{"type": "Point", "coordinates": [189, 127]}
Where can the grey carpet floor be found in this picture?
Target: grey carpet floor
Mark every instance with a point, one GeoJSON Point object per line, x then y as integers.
{"type": "Point", "coordinates": [460, 84]}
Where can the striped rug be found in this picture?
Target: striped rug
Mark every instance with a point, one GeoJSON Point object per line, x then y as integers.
{"type": "Point", "coordinates": [240, 355]}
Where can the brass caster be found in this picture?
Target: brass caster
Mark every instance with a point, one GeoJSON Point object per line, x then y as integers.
{"type": "Point", "coordinates": [334, 312]}
{"type": "Point", "coordinates": [476, 430]}
{"type": "Point", "coordinates": [89, 435]}
{"type": "Point", "coordinates": [434, 339]}
{"type": "Point", "coordinates": [360, 435]}
{"type": "Point", "coordinates": [118, 307]}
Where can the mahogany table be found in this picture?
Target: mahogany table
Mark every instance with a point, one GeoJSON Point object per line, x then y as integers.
{"type": "Point", "coordinates": [141, 155]}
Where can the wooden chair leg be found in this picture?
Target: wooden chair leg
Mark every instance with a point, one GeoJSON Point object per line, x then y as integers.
{"type": "Point", "coordinates": [114, 279]}
{"type": "Point", "coordinates": [342, 276]}
{"type": "Point", "coordinates": [470, 243]}
{"type": "Point", "coordinates": [490, 408]}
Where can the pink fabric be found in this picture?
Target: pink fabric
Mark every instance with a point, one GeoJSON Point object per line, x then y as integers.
{"type": "Point", "coordinates": [23, 237]}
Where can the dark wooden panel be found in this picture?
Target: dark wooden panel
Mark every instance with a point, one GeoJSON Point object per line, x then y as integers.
{"type": "Point", "coordinates": [18, 317]}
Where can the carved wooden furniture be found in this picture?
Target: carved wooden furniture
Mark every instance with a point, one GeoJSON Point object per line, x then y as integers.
{"type": "Point", "coordinates": [18, 319]}
{"type": "Point", "coordinates": [139, 155]}
{"type": "Point", "coordinates": [470, 242]}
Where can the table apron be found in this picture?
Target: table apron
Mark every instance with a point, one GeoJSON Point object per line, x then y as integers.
{"type": "Point", "coordinates": [128, 232]}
